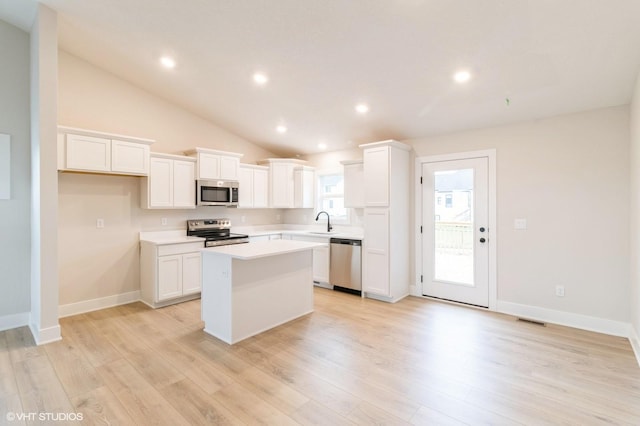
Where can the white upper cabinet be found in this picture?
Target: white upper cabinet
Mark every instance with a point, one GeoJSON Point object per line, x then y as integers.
{"type": "Point", "coordinates": [282, 181]}
{"type": "Point", "coordinates": [353, 183]}
{"type": "Point", "coordinates": [376, 177]}
{"type": "Point", "coordinates": [214, 164]}
{"type": "Point", "coordinates": [171, 183]}
{"type": "Point", "coordinates": [253, 189]}
{"type": "Point", "coordinates": [303, 187]}
{"type": "Point", "coordinates": [97, 152]}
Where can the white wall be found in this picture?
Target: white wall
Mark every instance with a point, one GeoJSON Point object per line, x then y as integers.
{"type": "Point", "coordinates": [14, 213]}
{"type": "Point", "coordinates": [569, 177]}
{"type": "Point", "coordinates": [97, 263]}
{"type": "Point", "coordinates": [635, 217]}
{"type": "Point", "coordinates": [43, 319]}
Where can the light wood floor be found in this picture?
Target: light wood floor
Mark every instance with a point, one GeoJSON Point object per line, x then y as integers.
{"type": "Point", "coordinates": [352, 361]}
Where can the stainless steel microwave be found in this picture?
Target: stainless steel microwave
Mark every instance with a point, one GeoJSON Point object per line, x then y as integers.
{"type": "Point", "coordinates": [217, 193]}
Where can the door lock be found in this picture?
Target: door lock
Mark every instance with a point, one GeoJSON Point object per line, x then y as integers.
{"type": "Point", "coordinates": [483, 240]}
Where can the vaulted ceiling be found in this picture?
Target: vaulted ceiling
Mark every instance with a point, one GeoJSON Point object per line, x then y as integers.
{"type": "Point", "coordinates": [527, 59]}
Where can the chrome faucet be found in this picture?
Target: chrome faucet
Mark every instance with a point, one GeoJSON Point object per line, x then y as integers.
{"type": "Point", "coordinates": [329, 227]}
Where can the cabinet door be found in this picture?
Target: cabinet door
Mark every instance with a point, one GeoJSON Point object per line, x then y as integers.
{"type": "Point", "coordinates": [354, 185]}
{"type": "Point", "coordinates": [376, 177]}
{"type": "Point", "coordinates": [281, 185]}
{"type": "Point", "coordinates": [208, 166]}
{"type": "Point", "coordinates": [303, 188]}
{"type": "Point", "coordinates": [191, 278]}
{"type": "Point", "coordinates": [229, 167]}
{"type": "Point", "coordinates": [128, 157]}
{"type": "Point", "coordinates": [88, 153]}
{"type": "Point", "coordinates": [321, 264]}
{"type": "Point", "coordinates": [260, 188]}
{"type": "Point", "coordinates": [169, 277]}
{"type": "Point", "coordinates": [161, 182]}
{"type": "Point", "coordinates": [245, 190]}
{"type": "Point", "coordinates": [375, 277]}
{"type": "Point", "coordinates": [184, 184]}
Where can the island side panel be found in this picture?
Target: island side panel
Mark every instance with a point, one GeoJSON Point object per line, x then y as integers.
{"type": "Point", "coordinates": [216, 298]}
{"type": "Point", "coordinates": [270, 291]}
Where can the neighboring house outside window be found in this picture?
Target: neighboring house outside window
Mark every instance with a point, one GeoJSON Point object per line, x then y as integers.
{"type": "Point", "coordinates": [330, 196]}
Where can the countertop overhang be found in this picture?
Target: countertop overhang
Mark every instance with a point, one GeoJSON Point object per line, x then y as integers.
{"type": "Point", "coordinates": [259, 249]}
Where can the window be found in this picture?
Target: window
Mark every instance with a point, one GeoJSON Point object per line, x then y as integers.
{"type": "Point", "coordinates": [331, 196]}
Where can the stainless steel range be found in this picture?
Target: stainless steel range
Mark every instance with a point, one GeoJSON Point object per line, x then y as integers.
{"type": "Point", "coordinates": [216, 231]}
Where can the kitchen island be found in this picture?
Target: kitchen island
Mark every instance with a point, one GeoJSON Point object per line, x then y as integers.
{"type": "Point", "coordinates": [251, 288]}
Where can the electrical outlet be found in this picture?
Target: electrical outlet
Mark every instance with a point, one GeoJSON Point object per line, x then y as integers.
{"type": "Point", "coordinates": [560, 290]}
{"type": "Point", "coordinates": [99, 223]}
{"type": "Point", "coordinates": [163, 221]}
{"type": "Point", "coordinates": [243, 219]}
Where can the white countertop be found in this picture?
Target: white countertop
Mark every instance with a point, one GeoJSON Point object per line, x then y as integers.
{"type": "Point", "coordinates": [168, 237]}
{"type": "Point", "coordinates": [333, 234]}
{"type": "Point", "coordinates": [259, 249]}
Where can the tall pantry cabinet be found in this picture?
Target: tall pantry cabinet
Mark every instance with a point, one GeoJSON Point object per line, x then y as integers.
{"type": "Point", "coordinates": [387, 185]}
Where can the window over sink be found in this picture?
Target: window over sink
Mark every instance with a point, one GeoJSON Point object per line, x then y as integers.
{"type": "Point", "coordinates": [331, 196]}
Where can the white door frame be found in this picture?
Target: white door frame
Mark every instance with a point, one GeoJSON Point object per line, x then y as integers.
{"type": "Point", "coordinates": [490, 154]}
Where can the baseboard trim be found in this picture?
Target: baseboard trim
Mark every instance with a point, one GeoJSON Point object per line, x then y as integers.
{"type": "Point", "coordinates": [7, 322]}
{"type": "Point", "coordinates": [584, 322]}
{"type": "Point", "coordinates": [42, 336]}
{"type": "Point", "coordinates": [635, 343]}
{"type": "Point", "coordinates": [97, 304]}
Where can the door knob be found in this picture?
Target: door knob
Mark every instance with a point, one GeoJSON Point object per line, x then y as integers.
{"type": "Point", "coordinates": [482, 240]}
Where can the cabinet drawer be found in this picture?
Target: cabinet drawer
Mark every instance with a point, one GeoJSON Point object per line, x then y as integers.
{"type": "Point", "coordinates": [182, 248]}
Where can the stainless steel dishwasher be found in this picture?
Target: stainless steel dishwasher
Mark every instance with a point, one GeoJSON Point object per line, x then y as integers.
{"type": "Point", "coordinates": [345, 270]}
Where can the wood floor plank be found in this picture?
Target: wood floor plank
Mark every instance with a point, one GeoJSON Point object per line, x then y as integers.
{"type": "Point", "coordinates": [196, 406]}
{"type": "Point", "coordinates": [97, 349]}
{"type": "Point", "coordinates": [314, 413]}
{"type": "Point", "coordinates": [272, 390]}
{"type": "Point", "coordinates": [9, 406]}
{"type": "Point", "coordinates": [201, 372]}
{"type": "Point", "coordinates": [428, 417]}
{"type": "Point", "coordinates": [40, 389]}
{"type": "Point", "coordinates": [352, 361]}
{"type": "Point", "coordinates": [8, 385]}
{"type": "Point", "coordinates": [74, 371]}
{"type": "Point", "coordinates": [250, 408]}
{"type": "Point", "coordinates": [101, 407]}
{"type": "Point", "coordinates": [144, 403]}
{"type": "Point", "coordinates": [21, 345]}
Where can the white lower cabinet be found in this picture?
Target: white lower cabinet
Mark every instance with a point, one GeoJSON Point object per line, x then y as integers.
{"type": "Point", "coordinates": [320, 257]}
{"type": "Point", "coordinates": [169, 273]}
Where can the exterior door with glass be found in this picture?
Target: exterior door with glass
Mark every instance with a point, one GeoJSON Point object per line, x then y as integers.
{"type": "Point", "coordinates": [455, 236]}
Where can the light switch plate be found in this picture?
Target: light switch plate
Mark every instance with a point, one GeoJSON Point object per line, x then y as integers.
{"type": "Point", "coordinates": [520, 224]}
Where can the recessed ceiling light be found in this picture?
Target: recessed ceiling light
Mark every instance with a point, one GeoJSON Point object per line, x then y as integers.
{"type": "Point", "coordinates": [462, 76]}
{"type": "Point", "coordinates": [362, 108]}
{"type": "Point", "coordinates": [322, 146]}
{"type": "Point", "coordinates": [168, 62]}
{"type": "Point", "coordinates": [260, 78]}
{"type": "Point", "coordinates": [281, 129]}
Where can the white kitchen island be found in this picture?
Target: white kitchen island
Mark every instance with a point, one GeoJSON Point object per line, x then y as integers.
{"type": "Point", "coordinates": [250, 288]}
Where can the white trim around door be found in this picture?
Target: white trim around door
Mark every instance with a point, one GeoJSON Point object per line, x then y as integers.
{"type": "Point", "coordinates": [490, 154]}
